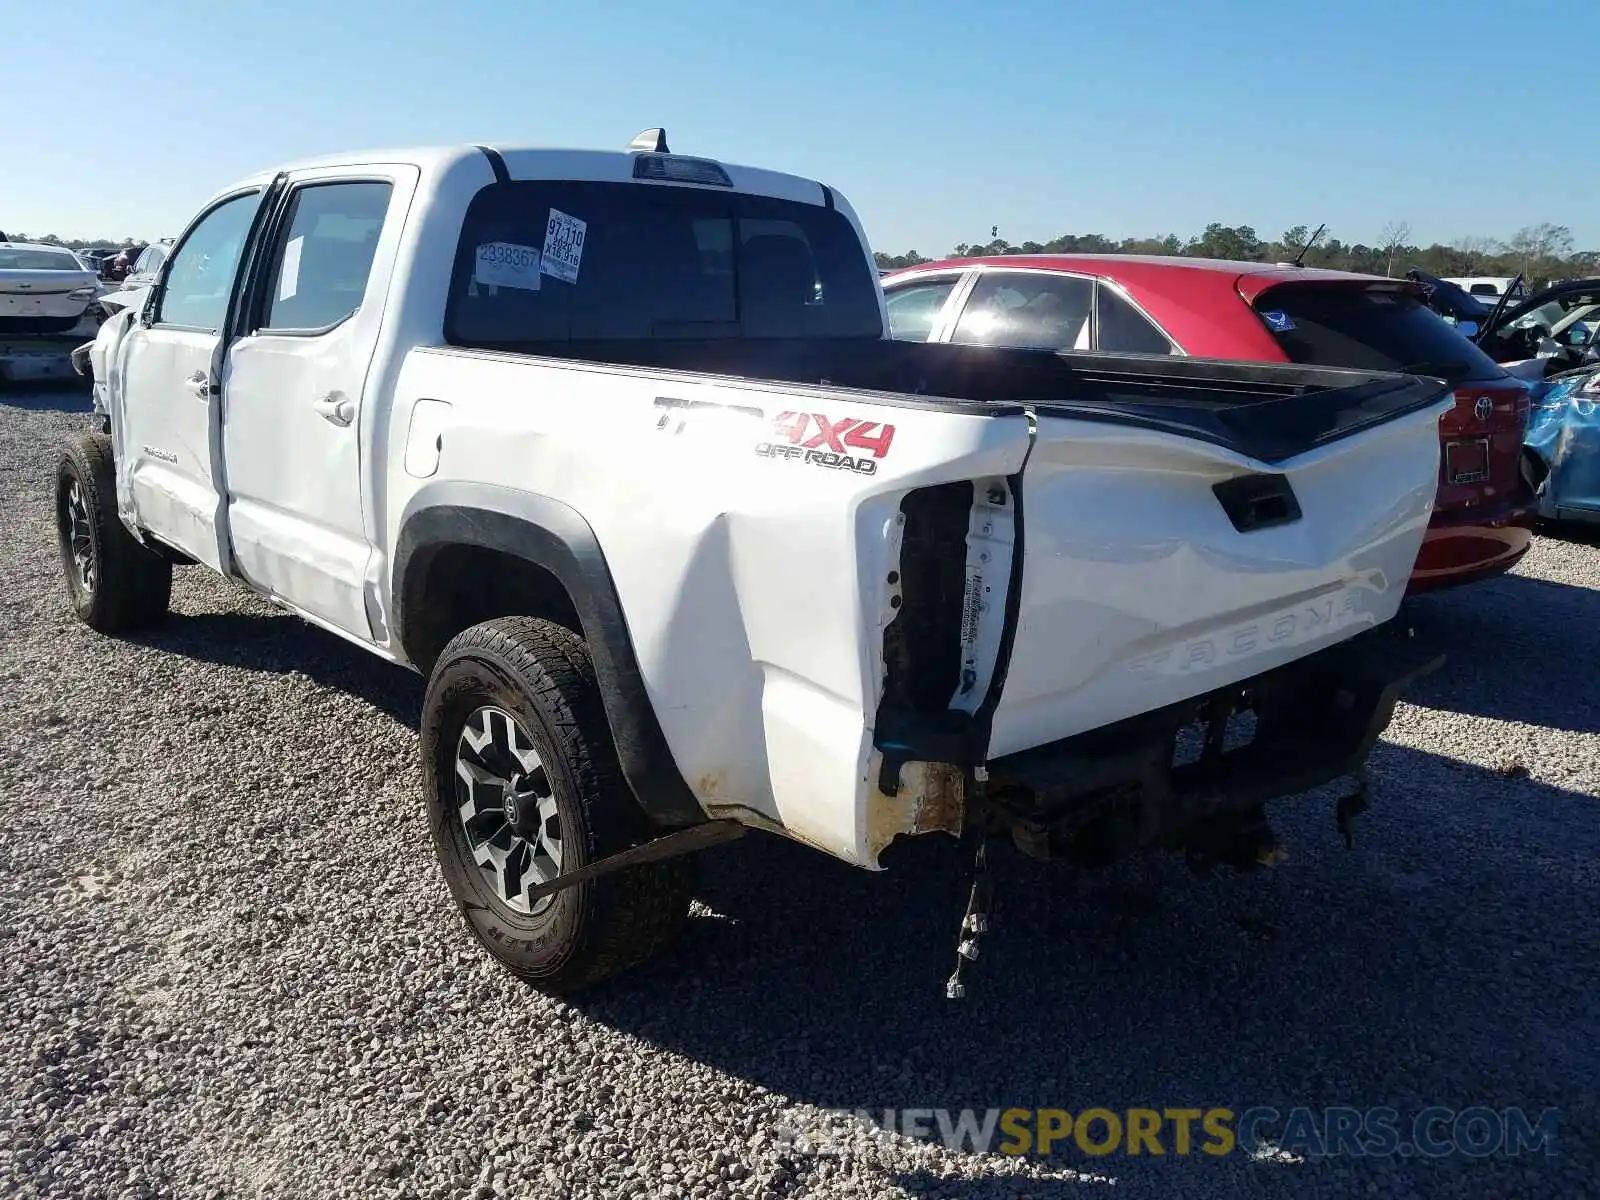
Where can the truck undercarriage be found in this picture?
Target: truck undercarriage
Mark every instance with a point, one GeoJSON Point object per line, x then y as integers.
{"type": "Point", "coordinates": [1194, 776]}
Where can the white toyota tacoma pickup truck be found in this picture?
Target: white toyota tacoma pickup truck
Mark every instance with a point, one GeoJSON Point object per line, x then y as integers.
{"type": "Point", "coordinates": [613, 448]}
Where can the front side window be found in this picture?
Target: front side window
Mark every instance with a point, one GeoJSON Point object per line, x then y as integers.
{"type": "Point", "coordinates": [1126, 330]}
{"type": "Point", "coordinates": [203, 267]}
{"type": "Point", "coordinates": [914, 308]}
{"type": "Point", "coordinates": [565, 261]}
{"type": "Point", "coordinates": [324, 256]}
{"type": "Point", "coordinates": [1027, 311]}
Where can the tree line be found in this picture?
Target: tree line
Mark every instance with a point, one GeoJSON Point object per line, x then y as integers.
{"type": "Point", "coordinates": [1540, 252]}
{"type": "Point", "coordinates": [50, 239]}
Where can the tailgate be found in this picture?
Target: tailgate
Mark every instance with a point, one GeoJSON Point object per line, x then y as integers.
{"type": "Point", "coordinates": [1179, 541]}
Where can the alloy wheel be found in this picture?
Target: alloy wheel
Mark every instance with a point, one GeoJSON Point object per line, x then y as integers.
{"type": "Point", "coordinates": [507, 809]}
{"type": "Point", "coordinates": [80, 538]}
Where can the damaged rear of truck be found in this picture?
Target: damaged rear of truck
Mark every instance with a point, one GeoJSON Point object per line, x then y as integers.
{"type": "Point", "coordinates": [1086, 603]}
{"type": "Point", "coordinates": [615, 450]}
{"type": "Point", "coordinates": [1177, 607]}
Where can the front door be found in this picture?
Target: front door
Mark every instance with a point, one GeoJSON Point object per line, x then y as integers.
{"type": "Point", "coordinates": [167, 459]}
{"type": "Point", "coordinates": [293, 388]}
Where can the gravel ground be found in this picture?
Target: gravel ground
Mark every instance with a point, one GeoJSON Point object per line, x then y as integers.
{"type": "Point", "coordinates": [229, 968]}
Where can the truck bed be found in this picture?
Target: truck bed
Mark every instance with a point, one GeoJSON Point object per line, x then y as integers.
{"type": "Point", "coordinates": [1052, 544]}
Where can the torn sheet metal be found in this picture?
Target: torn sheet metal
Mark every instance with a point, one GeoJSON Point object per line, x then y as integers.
{"type": "Point", "coordinates": [1564, 431]}
{"type": "Point", "coordinates": [931, 798]}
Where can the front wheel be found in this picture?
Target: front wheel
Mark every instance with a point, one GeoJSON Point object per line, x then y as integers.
{"type": "Point", "coordinates": [115, 584]}
{"type": "Point", "coordinates": [522, 783]}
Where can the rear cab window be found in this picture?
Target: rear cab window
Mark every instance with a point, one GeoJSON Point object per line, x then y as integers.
{"type": "Point", "coordinates": [1343, 326]}
{"type": "Point", "coordinates": [560, 262]}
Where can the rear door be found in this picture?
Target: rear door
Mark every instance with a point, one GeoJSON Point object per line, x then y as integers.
{"type": "Point", "coordinates": [1384, 327]}
{"type": "Point", "coordinates": [294, 390]}
{"type": "Point", "coordinates": [168, 420]}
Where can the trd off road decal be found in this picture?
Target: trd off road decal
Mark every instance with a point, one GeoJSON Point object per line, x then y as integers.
{"type": "Point", "coordinates": [838, 444]}
{"type": "Point", "coordinates": [833, 443]}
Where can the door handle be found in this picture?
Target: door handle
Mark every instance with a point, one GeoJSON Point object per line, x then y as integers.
{"type": "Point", "coordinates": [335, 408]}
{"type": "Point", "coordinates": [199, 384]}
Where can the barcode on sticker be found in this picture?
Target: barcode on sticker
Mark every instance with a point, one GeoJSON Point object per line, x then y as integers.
{"type": "Point", "coordinates": [563, 246]}
{"type": "Point", "coordinates": [505, 264]}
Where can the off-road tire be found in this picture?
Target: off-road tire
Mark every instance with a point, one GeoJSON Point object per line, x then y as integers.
{"type": "Point", "coordinates": [130, 585]}
{"type": "Point", "coordinates": [542, 674]}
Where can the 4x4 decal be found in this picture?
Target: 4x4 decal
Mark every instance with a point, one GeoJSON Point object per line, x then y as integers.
{"type": "Point", "coordinates": [835, 443]}
{"type": "Point", "coordinates": [825, 441]}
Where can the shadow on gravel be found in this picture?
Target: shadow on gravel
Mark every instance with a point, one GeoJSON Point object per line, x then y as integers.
{"type": "Point", "coordinates": [61, 396]}
{"type": "Point", "coordinates": [1520, 649]}
{"type": "Point", "coordinates": [1578, 533]}
{"type": "Point", "coordinates": [284, 644]}
{"type": "Point", "coordinates": [1446, 960]}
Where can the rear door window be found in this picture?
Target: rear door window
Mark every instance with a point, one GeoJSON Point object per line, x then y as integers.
{"type": "Point", "coordinates": [563, 262]}
{"type": "Point", "coordinates": [1028, 310]}
{"type": "Point", "coordinates": [1342, 326]}
{"type": "Point", "coordinates": [321, 266]}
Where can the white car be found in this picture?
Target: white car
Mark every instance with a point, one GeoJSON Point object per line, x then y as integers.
{"type": "Point", "coordinates": [1488, 289]}
{"type": "Point", "coordinates": [614, 448]}
{"type": "Point", "coordinates": [148, 265]}
{"type": "Point", "coordinates": [44, 289]}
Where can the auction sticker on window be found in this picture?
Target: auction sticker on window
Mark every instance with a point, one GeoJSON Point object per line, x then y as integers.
{"type": "Point", "coordinates": [505, 264]}
{"type": "Point", "coordinates": [563, 246]}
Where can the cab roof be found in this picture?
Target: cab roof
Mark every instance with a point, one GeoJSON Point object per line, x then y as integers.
{"type": "Point", "coordinates": [532, 162]}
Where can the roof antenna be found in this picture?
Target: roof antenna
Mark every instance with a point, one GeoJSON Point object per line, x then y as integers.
{"type": "Point", "coordinates": [651, 141]}
{"type": "Point", "coordinates": [1299, 259]}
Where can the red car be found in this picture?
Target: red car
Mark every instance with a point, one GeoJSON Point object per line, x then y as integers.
{"type": "Point", "coordinates": [1134, 304]}
{"type": "Point", "coordinates": [120, 264]}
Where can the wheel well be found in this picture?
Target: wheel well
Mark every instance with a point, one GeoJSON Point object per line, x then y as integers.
{"type": "Point", "coordinates": [451, 588]}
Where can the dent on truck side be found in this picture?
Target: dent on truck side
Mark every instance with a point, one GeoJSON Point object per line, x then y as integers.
{"type": "Point", "coordinates": [554, 537]}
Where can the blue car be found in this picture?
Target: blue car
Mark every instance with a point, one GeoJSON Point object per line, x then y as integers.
{"type": "Point", "coordinates": [1551, 341]}
{"type": "Point", "coordinates": [1563, 440]}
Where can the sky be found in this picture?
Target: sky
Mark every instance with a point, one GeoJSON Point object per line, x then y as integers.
{"type": "Point", "coordinates": [938, 118]}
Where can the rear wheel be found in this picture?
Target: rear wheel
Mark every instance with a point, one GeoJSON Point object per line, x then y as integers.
{"type": "Point", "coordinates": [114, 583]}
{"type": "Point", "coordinates": [522, 783]}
